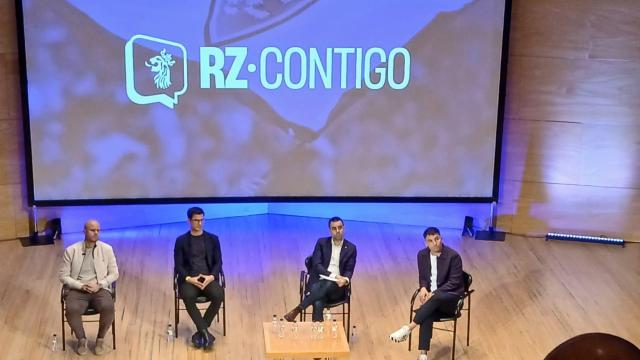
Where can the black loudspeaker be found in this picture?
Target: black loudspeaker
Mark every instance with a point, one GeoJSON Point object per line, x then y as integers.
{"type": "Point", "coordinates": [53, 228]}
{"type": "Point", "coordinates": [467, 228]}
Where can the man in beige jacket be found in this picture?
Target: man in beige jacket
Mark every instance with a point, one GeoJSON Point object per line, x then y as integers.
{"type": "Point", "coordinates": [88, 270]}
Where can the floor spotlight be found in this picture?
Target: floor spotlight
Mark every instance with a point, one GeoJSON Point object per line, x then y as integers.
{"type": "Point", "coordinates": [585, 238]}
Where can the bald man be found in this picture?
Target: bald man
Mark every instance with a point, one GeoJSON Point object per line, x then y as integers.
{"type": "Point", "coordinates": [88, 270]}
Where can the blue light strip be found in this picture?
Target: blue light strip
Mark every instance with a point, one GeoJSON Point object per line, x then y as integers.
{"type": "Point", "coordinates": [585, 238]}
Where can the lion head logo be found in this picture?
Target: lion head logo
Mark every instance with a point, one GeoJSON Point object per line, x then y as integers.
{"type": "Point", "coordinates": [161, 65]}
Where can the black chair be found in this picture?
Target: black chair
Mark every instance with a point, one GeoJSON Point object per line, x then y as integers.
{"type": "Point", "coordinates": [450, 317]}
{"type": "Point", "coordinates": [345, 302]}
{"type": "Point", "coordinates": [200, 300]}
{"type": "Point", "coordinates": [89, 312]}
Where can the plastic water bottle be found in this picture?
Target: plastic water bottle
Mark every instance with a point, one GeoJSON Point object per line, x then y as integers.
{"type": "Point", "coordinates": [353, 335]}
{"type": "Point", "coordinates": [294, 330]}
{"type": "Point", "coordinates": [334, 329]}
{"type": "Point", "coordinates": [54, 343]}
{"type": "Point", "coordinates": [327, 315]}
{"type": "Point", "coordinates": [274, 323]}
{"type": "Point", "coordinates": [321, 330]}
{"type": "Point", "coordinates": [170, 333]}
{"type": "Point", "coordinates": [281, 328]}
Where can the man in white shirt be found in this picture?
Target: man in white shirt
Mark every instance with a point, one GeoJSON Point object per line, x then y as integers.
{"type": "Point", "coordinates": [88, 270]}
{"type": "Point", "coordinates": [332, 265]}
{"type": "Point", "coordinates": [441, 285]}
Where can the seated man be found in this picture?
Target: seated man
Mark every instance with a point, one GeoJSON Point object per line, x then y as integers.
{"type": "Point", "coordinates": [441, 285]}
{"type": "Point", "coordinates": [198, 262]}
{"type": "Point", "coordinates": [88, 270]}
{"type": "Point", "coordinates": [333, 257]}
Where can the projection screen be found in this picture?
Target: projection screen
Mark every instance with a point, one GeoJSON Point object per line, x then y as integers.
{"type": "Point", "coordinates": [262, 99]}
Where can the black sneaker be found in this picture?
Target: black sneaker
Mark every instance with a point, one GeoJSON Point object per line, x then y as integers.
{"type": "Point", "coordinates": [196, 340]}
{"type": "Point", "coordinates": [208, 343]}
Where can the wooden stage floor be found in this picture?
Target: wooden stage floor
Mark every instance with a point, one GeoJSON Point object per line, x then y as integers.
{"type": "Point", "coordinates": [530, 294]}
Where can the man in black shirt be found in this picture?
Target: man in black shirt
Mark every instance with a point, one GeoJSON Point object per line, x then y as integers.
{"type": "Point", "coordinates": [198, 262]}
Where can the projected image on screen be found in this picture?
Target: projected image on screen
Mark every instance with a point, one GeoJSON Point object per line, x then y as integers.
{"type": "Point", "coordinates": [272, 98]}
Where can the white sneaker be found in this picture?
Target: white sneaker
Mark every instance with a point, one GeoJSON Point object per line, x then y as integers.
{"type": "Point", "coordinates": [422, 357]}
{"type": "Point", "coordinates": [401, 334]}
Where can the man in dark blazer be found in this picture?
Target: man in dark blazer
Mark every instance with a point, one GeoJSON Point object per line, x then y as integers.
{"type": "Point", "coordinates": [332, 264]}
{"type": "Point", "coordinates": [198, 262]}
{"type": "Point", "coordinates": [441, 286]}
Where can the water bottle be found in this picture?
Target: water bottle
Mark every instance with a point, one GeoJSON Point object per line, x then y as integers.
{"type": "Point", "coordinates": [327, 315]}
{"type": "Point", "coordinates": [334, 329]}
{"type": "Point", "coordinates": [321, 330]}
{"type": "Point", "coordinates": [294, 330]}
{"type": "Point", "coordinates": [54, 343]}
{"type": "Point", "coordinates": [170, 333]}
{"type": "Point", "coordinates": [353, 334]}
{"type": "Point", "coordinates": [274, 323]}
{"type": "Point", "coordinates": [281, 328]}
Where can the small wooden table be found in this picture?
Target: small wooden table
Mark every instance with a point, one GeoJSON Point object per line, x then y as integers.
{"type": "Point", "coordinates": [303, 343]}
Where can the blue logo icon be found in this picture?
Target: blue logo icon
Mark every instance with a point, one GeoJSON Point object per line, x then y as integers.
{"type": "Point", "coordinates": [149, 73]}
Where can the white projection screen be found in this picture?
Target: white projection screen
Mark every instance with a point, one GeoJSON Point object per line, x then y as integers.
{"type": "Point", "coordinates": [252, 100]}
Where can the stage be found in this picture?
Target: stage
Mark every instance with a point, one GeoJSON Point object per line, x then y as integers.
{"type": "Point", "coordinates": [530, 295]}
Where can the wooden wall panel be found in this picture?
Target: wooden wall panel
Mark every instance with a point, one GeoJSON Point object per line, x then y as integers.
{"type": "Point", "coordinates": [13, 214]}
{"type": "Point", "coordinates": [535, 208]}
{"type": "Point", "coordinates": [572, 134]}
{"type": "Point", "coordinates": [533, 151]}
{"type": "Point", "coordinates": [11, 149]}
{"type": "Point", "coordinates": [7, 215]}
{"type": "Point", "coordinates": [538, 86]}
{"type": "Point", "coordinates": [20, 209]}
{"type": "Point", "coordinates": [8, 39]}
{"type": "Point", "coordinates": [4, 86]}
{"type": "Point", "coordinates": [610, 155]}
{"type": "Point", "coordinates": [576, 29]}
{"type": "Point", "coordinates": [14, 104]}
{"type": "Point", "coordinates": [571, 153]}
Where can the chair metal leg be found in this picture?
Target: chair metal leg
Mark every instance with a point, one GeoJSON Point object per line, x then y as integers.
{"type": "Point", "coordinates": [453, 349]}
{"type": "Point", "coordinates": [468, 318]}
{"type": "Point", "coordinates": [410, 319]}
{"type": "Point", "coordinates": [64, 340]}
{"type": "Point", "coordinates": [348, 321]}
{"type": "Point", "coordinates": [224, 318]}
{"type": "Point", "coordinates": [113, 332]}
{"type": "Point", "coordinates": [344, 322]}
{"type": "Point", "coordinates": [176, 311]}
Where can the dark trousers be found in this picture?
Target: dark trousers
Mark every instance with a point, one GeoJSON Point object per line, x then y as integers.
{"type": "Point", "coordinates": [440, 304]}
{"type": "Point", "coordinates": [214, 292]}
{"type": "Point", "coordinates": [77, 302]}
{"type": "Point", "coordinates": [320, 293]}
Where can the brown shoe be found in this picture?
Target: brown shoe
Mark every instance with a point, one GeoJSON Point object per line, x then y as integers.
{"type": "Point", "coordinates": [293, 314]}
